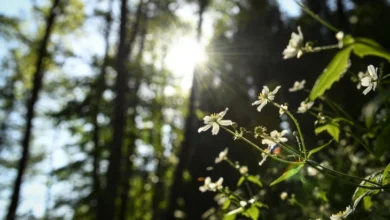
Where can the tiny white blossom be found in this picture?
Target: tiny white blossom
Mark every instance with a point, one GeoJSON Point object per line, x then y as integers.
{"type": "Point", "coordinates": [214, 121]}
{"type": "Point", "coordinates": [276, 137]}
{"type": "Point", "coordinates": [305, 106]}
{"type": "Point", "coordinates": [264, 156]}
{"type": "Point", "coordinates": [282, 109]}
{"type": "Point", "coordinates": [312, 171]}
{"type": "Point", "coordinates": [297, 86]}
{"type": "Point", "coordinates": [210, 186]}
{"type": "Point", "coordinates": [264, 96]}
{"type": "Point", "coordinates": [361, 75]}
{"type": "Point", "coordinates": [243, 170]}
{"type": "Point", "coordinates": [283, 196]}
{"type": "Point", "coordinates": [370, 80]}
{"type": "Point", "coordinates": [222, 156]}
{"type": "Point", "coordinates": [340, 38]}
{"type": "Point", "coordinates": [342, 215]}
{"type": "Point", "coordinates": [243, 203]}
{"type": "Point", "coordinates": [295, 45]}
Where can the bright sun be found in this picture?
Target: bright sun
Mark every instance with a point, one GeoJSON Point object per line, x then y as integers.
{"type": "Point", "coordinates": [182, 58]}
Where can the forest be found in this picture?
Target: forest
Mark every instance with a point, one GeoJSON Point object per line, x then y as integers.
{"type": "Point", "coordinates": [194, 109]}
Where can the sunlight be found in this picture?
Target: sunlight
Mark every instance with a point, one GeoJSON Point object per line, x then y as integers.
{"type": "Point", "coordinates": [182, 58]}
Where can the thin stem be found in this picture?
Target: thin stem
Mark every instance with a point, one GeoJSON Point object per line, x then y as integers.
{"type": "Point", "coordinates": [296, 125]}
{"type": "Point", "coordinates": [384, 77]}
{"type": "Point", "coordinates": [322, 48]}
{"type": "Point", "coordinates": [261, 150]}
{"type": "Point", "coordinates": [316, 17]}
{"type": "Point", "coordinates": [316, 165]}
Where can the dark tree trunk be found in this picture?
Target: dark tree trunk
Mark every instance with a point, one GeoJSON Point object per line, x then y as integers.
{"type": "Point", "coordinates": [106, 206]}
{"type": "Point", "coordinates": [31, 101]}
{"type": "Point", "coordinates": [100, 86]}
{"type": "Point", "coordinates": [186, 147]}
{"type": "Point", "coordinates": [128, 165]}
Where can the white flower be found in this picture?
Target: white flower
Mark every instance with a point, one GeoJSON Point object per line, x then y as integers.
{"type": "Point", "coordinates": [283, 196]}
{"type": "Point", "coordinates": [295, 45]}
{"type": "Point", "coordinates": [243, 203]}
{"type": "Point", "coordinates": [340, 38]}
{"type": "Point", "coordinates": [297, 86]}
{"type": "Point", "coordinates": [342, 215]}
{"type": "Point", "coordinates": [320, 119]}
{"type": "Point", "coordinates": [215, 120]}
{"type": "Point", "coordinates": [370, 80]}
{"type": "Point", "coordinates": [264, 96]}
{"type": "Point", "coordinates": [264, 156]}
{"type": "Point", "coordinates": [222, 156]}
{"type": "Point", "coordinates": [243, 170]}
{"type": "Point", "coordinates": [305, 106]}
{"type": "Point", "coordinates": [210, 186]}
{"type": "Point", "coordinates": [282, 109]}
{"type": "Point", "coordinates": [361, 75]}
{"type": "Point", "coordinates": [312, 171]}
{"type": "Point", "coordinates": [276, 137]}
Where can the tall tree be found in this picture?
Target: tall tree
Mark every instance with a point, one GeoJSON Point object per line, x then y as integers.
{"type": "Point", "coordinates": [106, 206]}
{"type": "Point", "coordinates": [186, 147]}
{"type": "Point", "coordinates": [31, 101]}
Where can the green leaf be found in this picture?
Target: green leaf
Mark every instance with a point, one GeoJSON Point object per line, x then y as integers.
{"type": "Point", "coordinates": [368, 41]}
{"type": "Point", "coordinates": [367, 203]}
{"type": "Point", "coordinates": [287, 174]}
{"type": "Point", "coordinates": [240, 181]}
{"type": "Point", "coordinates": [386, 175]}
{"type": "Point", "coordinates": [332, 129]}
{"type": "Point", "coordinates": [315, 150]}
{"type": "Point", "coordinates": [331, 73]}
{"type": "Point", "coordinates": [362, 50]}
{"type": "Point", "coordinates": [255, 180]}
{"type": "Point", "coordinates": [229, 217]}
{"type": "Point", "coordinates": [226, 204]}
{"type": "Point", "coordinates": [253, 212]}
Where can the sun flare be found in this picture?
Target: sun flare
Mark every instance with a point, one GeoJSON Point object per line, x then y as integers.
{"type": "Point", "coordinates": [183, 56]}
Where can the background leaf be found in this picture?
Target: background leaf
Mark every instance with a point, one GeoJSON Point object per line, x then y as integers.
{"type": "Point", "coordinates": [332, 129]}
{"type": "Point", "coordinates": [287, 174]}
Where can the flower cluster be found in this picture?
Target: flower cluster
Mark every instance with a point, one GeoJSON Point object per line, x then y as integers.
{"type": "Point", "coordinates": [295, 45]}
{"type": "Point", "coordinates": [210, 186]}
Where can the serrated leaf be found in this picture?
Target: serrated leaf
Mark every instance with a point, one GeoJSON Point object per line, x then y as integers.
{"type": "Point", "coordinates": [253, 212]}
{"type": "Point", "coordinates": [362, 50]}
{"type": "Point", "coordinates": [240, 181]}
{"type": "Point", "coordinates": [291, 172]}
{"type": "Point", "coordinates": [332, 129]}
{"type": "Point", "coordinates": [255, 180]}
{"type": "Point", "coordinates": [226, 204]}
{"type": "Point", "coordinates": [332, 73]}
{"type": "Point", "coordinates": [315, 150]}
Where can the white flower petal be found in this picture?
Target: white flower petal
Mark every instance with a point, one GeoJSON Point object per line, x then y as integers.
{"type": "Point", "coordinates": [265, 90]}
{"type": "Point", "coordinates": [367, 90]}
{"type": "Point", "coordinates": [258, 102]}
{"type": "Point", "coordinates": [223, 113]}
{"type": "Point", "coordinates": [204, 128]}
{"type": "Point", "coordinates": [372, 71]}
{"type": "Point", "coordinates": [261, 106]}
{"type": "Point", "coordinates": [225, 122]}
{"type": "Point", "coordinates": [276, 90]}
{"type": "Point", "coordinates": [215, 129]}
{"type": "Point", "coordinates": [366, 81]}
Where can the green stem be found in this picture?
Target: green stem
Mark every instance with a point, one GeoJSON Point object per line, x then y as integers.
{"type": "Point", "coordinates": [315, 165]}
{"type": "Point", "coordinates": [322, 48]}
{"type": "Point", "coordinates": [296, 125]}
{"type": "Point", "coordinates": [384, 77]}
{"type": "Point", "coordinates": [261, 150]}
{"type": "Point", "coordinates": [316, 17]}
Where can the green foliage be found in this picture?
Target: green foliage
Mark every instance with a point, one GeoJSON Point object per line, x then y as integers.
{"type": "Point", "coordinates": [315, 150]}
{"type": "Point", "coordinates": [252, 212]}
{"type": "Point", "coordinates": [332, 128]}
{"type": "Point", "coordinates": [291, 172]}
{"type": "Point", "coordinates": [254, 180]}
{"type": "Point", "coordinates": [332, 73]}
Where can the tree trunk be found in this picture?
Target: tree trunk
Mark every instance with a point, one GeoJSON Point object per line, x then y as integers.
{"type": "Point", "coordinates": [128, 165]}
{"type": "Point", "coordinates": [186, 147]}
{"type": "Point", "coordinates": [100, 86]}
{"type": "Point", "coordinates": [38, 78]}
{"type": "Point", "coordinates": [106, 206]}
